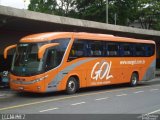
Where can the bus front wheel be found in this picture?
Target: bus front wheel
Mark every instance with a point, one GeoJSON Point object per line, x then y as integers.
{"type": "Point", "coordinates": [72, 85]}
{"type": "Point", "coordinates": [134, 79]}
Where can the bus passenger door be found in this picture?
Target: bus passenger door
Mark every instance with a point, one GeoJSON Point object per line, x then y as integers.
{"type": "Point", "coordinates": [50, 64]}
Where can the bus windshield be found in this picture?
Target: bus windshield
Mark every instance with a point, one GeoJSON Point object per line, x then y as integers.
{"type": "Point", "coordinates": [26, 62]}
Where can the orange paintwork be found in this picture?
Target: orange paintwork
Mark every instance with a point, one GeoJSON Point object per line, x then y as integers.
{"type": "Point", "coordinates": [42, 37]}
{"type": "Point", "coordinates": [8, 48]}
{"type": "Point", "coordinates": [31, 87]}
{"type": "Point", "coordinates": [117, 71]}
{"type": "Point", "coordinates": [44, 47]}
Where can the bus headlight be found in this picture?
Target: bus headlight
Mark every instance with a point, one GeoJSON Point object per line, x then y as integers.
{"type": "Point", "coordinates": [29, 82]}
{"type": "Point", "coordinates": [39, 79]}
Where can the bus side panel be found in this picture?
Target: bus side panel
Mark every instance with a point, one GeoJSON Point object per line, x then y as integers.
{"type": "Point", "coordinates": [51, 80]}
{"type": "Point", "coordinates": [73, 73]}
{"type": "Point", "coordinates": [102, 71]}
{"type": "Point", "coordinates": [144, 66]}
{"type": "Point", "coordinates": [76, 68]}
{"type": "Point", "coordinates": [149, 72]}
{"type": "Point", "coordinates": [93, 72]}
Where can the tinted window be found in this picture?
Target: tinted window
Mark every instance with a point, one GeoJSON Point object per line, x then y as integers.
{"type": "Point", "coordinates": [112, 49]}
{"type": "Point", "coordinates": [127, 50]}
{"type": "Point", "coordinates": [88, 48]}
{"type": "Point", "coordinates": [139, 50]}
{"type": "Point", "coordinates": [96, 48]}
{"type": "Point", "coordinates": [55, 54]}
{"type": "Point", "coordinates": [150, 49]}
{"type": "Point", "coordinates": [77, 50]}
{"type": "Point", "coordinates": [52, 59]}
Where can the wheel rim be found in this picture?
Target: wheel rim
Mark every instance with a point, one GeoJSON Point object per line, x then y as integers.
{"type": "Point", "coordinates": [134, 80]}
{"type": "Point", "coordinates": [71, 85]}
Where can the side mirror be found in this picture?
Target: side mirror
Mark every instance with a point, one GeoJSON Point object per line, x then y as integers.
{"type": "Point", "coordinates": [7, 49]}
{"type": "Point", "coordinates": [43, 48]}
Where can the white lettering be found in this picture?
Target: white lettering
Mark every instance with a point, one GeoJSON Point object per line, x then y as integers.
{"type": "Point", "coordinates": [102, 72]}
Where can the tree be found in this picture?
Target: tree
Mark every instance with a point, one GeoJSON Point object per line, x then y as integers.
{"type": "Point", "coordinates": [127, 11]}
{"type": "Point", "coordinates": [65, 7]}
{"type": "Point", "coordinates": [95, 10]}
{"type": "Point", "coordinates": [44, 6]}
{"type": "Point", "coordinates": [91, 10]}
{"type": "Point", "coordinates": [149, 12]}
{"type": "Point", "coordinates": [60, 7]}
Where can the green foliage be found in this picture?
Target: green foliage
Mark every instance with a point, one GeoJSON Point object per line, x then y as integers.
{"type": "Point", "coordinates": [147, 12]}
{"type": "Point", "coordinates": [44, 6]}
{"type": "Point", "coordinates": [91, 10]}
{"type": "Point", "coordinates": [65, 7]}
{"type": "Point", "coordinates": [126, 10]}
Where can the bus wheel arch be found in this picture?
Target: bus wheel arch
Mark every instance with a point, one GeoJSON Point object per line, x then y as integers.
{"type": "Point", "coordinates": [72, 84]}
{"type": "Point", "coordinates": [134, 79]}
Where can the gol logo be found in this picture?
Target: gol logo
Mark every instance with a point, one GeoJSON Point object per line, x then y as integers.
{"type": "Point", "coordinates": [102, 72]}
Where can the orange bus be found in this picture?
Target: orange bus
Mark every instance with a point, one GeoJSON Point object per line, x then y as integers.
{"type": "Point", "coordinates": [68, 61]}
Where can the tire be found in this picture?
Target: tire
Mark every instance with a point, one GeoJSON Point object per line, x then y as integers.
{"type": "Point", "coordinates": [134, 80]}
{"type": "Point", "coordinates": [72, 85]}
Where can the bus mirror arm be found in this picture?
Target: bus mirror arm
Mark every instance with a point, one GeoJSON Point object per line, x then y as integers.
{"type": "Point", "coordinates": [7, 49]}
{"type": "Point", "coordinates": [43, 48]}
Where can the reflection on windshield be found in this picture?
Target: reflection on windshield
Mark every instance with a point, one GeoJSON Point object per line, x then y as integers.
{"type": "Point", "coordinates": [26, 60]}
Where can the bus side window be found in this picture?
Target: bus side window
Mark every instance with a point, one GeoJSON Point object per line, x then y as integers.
{"type": "Point", "coordinates": [127, 51]}
{"type": "Point", "coordinates": [150, 49]}
{"type": "Point", "coordinates": [51, 60]}
{"type": "Point", "coordinates": [139, 49]}
{"type": "Point", "coordinates": [77, 50]}
{"type": "Point", "coordinates": [112, 49]}
{"type": "Point", "coordinates": [96, 48]}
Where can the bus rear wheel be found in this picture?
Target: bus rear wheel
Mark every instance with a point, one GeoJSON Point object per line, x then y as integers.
{"type": "Point", "coordinates": [72, 85]}
{"type": "Point", "coordinates": [134, 79]}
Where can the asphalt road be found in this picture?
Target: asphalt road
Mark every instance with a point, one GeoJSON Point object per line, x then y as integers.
{"type": "Point", "coordinates": [118, 99]}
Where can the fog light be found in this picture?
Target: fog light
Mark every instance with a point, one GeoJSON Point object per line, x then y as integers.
{"type": "Point", "coordinates": [38, 88]}
{"type": "Point", "coordinates": [20, 88]}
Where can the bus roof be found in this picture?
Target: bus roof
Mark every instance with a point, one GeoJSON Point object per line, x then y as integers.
{"type": "Point", "coordinates": [42, 37]}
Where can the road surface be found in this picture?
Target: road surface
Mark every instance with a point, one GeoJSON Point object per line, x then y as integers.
{"type": "Point", "coordinates": [118, 99]}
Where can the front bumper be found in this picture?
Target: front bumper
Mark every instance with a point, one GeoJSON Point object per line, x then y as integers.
{"type": "Point", "coordinates": [36, 88]}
